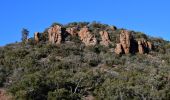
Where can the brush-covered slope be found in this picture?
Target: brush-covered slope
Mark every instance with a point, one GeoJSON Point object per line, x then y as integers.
{"type": "Point", "coordinates": [72, 71]}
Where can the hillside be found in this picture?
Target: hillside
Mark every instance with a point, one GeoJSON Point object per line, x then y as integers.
{"type": "Point", "coordinates": [72, 68]}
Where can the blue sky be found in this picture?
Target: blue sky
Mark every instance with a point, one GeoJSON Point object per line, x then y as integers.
{"type": "Point", "coordinates": [149, 16]}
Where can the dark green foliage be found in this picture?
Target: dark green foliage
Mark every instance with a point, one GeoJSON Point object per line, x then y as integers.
{"type": "Point", "coordinates": [55, 23]}
{"type": "Point", "coordinates": [72, 71]}
{"type": "Point", "coordinates": [77, 24]}
{"type": "Point", "coordinates": [25, 34]}
{"type": "Point", "coordinates": [139, 35]}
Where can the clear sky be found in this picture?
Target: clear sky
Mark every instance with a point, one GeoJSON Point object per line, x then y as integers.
{"type": "Point", "coordinates": [149, 16]}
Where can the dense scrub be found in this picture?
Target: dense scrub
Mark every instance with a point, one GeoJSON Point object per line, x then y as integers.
{"type": "Point", "coordinates": [72, 71]}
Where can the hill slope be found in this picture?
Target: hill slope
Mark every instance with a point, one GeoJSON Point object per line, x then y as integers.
{"type": "Point", "coordinates": [72, 71]}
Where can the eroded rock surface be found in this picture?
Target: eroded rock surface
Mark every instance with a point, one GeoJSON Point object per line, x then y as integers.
{"type": "Point", "coordinates": [144, 46]}
{"type": "Point", "coordinates": [118, 49]}
{"type": "Point", "coordinates": [125, 39]}
{"type": "Point", "coordinates": [37, 37]}
{"type": "Point", "coordinates": [129, 45]}
{"type": "Point", "coordinates": [55, 34]}
{"type": "Point", "coordinates": [140, 47]}
{"type": "Point", "coordinates": [105, 38]}
{"type": "Point", "coordinates": [72, 31]}
{"type": "Point", "coordinates": [86, 37]}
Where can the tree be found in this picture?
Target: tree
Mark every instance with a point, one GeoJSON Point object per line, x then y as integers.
{"type": "Point", "coordinates": [25, 34]}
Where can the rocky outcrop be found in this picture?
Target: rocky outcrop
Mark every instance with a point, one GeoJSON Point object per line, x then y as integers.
{"type": "Point", "coordinates": [129, 45]}
{"type": "Point", "coordinates": [72, 31]}
{"type": "Point", "coordinates": [125, 41]}
{"type": "Point", "coordinates": [150, 45]}
{"type": "Point", "coordinates": [55, 34]}
{"type": "Point", "coordinates": [86, 37]}
{"type": "Point", "coordinates": [105, 38]}
{"type": "Point", "coordinates": [37, 37]}
{"type": "Point", "coordinates": [118, 49]}
{"type": "Point", "coordinates": [140, 47]}
{"type": "Point", "coordinates": [144, 46]}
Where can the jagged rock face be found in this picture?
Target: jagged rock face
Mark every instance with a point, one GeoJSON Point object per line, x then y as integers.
{"type": "Point", "coordinates": [125, 40]}
{"type": "Point", "coordinates": [118, 49]}
{"type": "Point", "coordinates": [105, 38]}
{"type": "Point", "coordinates": [37, 37]}
{"type": "Point", "coordinates": [54, 34]}
{"type": "Point", "coordinates": [140, 48]}
{"type": "Point", "coordinates": [144, 46]}
{"type": "Point", "coordinates": [72, 31]}
{"type": "Point", "coordinates": [86, 37]}
{"type": "Point", "coordinates": [150, 45]}
{"type": "Point", "coordinates": [129, 45]}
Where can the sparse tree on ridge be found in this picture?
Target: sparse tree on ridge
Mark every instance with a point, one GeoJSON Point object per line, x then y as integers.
{"type": "Point", "coordinates": [25, 34]}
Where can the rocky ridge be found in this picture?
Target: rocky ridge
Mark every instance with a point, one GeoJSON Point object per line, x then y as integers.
{"type": "Point", "coordinates": [127, 44]}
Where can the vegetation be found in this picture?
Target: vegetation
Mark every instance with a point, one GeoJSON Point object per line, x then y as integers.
{"type": "Point", "coordinates": [25, 34]}
{"type": "Point", "coordinates": [72, 71]}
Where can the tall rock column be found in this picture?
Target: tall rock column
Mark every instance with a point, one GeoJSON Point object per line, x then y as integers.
{"type": "Point", "coordinates": [144, 46]}
{"type": "Point", "coordinates": [37, 37]}
{"type": "Point", "coordinates": [140, 47]}
{"type": "Point", "coordinates": [54, 34]}
{"type": "Point", "coordinates": [105, 38]}
{"type": "Point", "coordinates": [150, 45]}
{"type": "Point", "coordinates": [86, 37]}
{"type": "Point", "coordinates": [125, 40]}
{"type": "Point", "coordinates": [129, 45]}
{"type": "Point", "coordinates": [118, 49]}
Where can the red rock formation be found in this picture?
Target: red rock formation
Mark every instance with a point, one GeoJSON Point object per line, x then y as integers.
{"type": "Point", "coordinates": [128, 44]}
{"type": "Point", "coordinates": [118, 49]}
{"type": "Point", "coordinates": [105, 38]}
{"type": "Point", "coordinates": [125, 40]}
{"type": "Point", "coordinates": [54, 34]}
{"type": "Point", "coordinates": [86, 37]}
{"type": "Point", "coordinates": [150, 45]}
{"type": "Point", "coordinates": [37, 37]}
{"type": "Point", "coordinates": [72, 31]}
{"type": "Point", "coordinates": [140, 47]}
{"type": "Point", "coordinates": [144, 46]}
